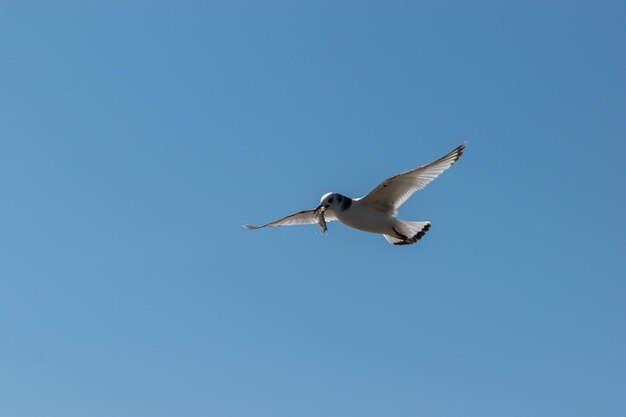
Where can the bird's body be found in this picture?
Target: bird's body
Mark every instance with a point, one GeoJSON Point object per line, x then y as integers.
{"type": "Point", "coordinates": [376, 211]}
{"type": "Point", "coordinates": [364, 217]}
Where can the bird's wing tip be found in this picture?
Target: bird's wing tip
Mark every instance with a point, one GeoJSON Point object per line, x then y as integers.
{"type": "Point", "coordinates": [252, 227]}
{"type": "Point", "coordinates": [459, 150]}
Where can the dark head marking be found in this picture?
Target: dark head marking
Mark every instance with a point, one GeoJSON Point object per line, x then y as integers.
{"type": "Point", "coordinates": [330, 200]}
{"type": "Point", "coordinates": [339, 197]}
{"type": "Point", "coordinates": [345, 205]}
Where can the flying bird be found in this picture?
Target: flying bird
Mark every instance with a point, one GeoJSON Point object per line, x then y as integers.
{"type": "Point", "coordinates": [376, 211]}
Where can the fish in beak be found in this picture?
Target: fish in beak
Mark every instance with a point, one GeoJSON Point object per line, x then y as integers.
{"type": "Point", "coordinates": [320, 209]}
{"type": "Point", "coordinates": [319, 214]}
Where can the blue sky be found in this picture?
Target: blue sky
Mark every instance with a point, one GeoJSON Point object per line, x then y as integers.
{"type": "Point", "coordinates": [136, 137]}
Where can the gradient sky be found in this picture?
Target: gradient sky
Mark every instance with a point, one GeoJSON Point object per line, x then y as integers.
{"type": "Point", "coordinates": [136, 137]}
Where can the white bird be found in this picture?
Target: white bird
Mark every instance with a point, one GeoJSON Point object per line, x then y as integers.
{"type": "Point", "coordinates": [376, 211]}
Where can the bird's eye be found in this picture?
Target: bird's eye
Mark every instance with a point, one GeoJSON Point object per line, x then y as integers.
{"type": "Point", "coordinates": [330, 200]}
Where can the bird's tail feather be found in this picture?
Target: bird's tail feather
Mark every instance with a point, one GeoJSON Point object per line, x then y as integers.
{"type": "Point", "coordinates": [407, 233]}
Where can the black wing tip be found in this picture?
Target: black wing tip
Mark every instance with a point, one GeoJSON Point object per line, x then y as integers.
{"type": "Point", "coordinates": [453, 155]}
{"type": "Point", "coordinates": [458, 151]}
{"type": "Point", "coordinates": [415, 237]}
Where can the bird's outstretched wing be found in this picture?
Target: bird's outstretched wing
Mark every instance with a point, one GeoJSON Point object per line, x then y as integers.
{"type": "Point", "coordinates": [301, 217]}
{"type": "Point", "coordinates": [393, 192]}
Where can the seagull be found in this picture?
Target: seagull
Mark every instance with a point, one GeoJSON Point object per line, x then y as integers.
{"type": "Point", "coordinates": [376, 211]}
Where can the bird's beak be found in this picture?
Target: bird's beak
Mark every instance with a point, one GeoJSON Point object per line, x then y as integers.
{"type": "Point", "coordinates": [320, 209]}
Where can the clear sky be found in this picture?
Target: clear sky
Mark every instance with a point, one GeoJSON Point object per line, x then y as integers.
{"type": "Point", "coordinates": [136, 137]}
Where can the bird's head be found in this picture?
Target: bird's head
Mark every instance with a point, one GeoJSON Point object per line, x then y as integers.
{"type": "Point", "coordinates": [330, 201]}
